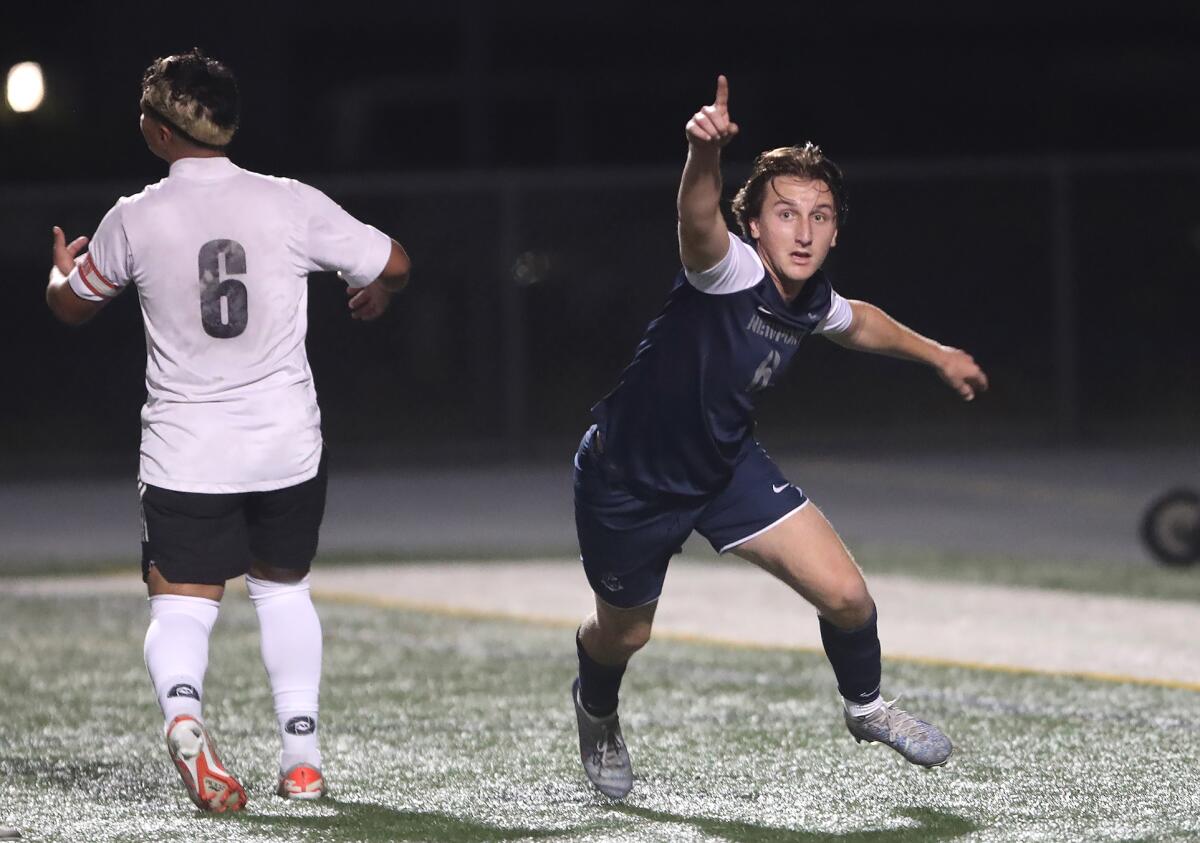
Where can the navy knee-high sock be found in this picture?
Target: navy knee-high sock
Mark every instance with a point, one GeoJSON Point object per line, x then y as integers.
{"type": "Point", "coordinates": [598, 683]}
{"type": "Point", "coordinates": [855, 656]}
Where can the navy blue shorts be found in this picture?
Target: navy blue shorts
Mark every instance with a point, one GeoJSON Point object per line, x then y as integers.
{"type": "Point", "coordinates": [626, 541]}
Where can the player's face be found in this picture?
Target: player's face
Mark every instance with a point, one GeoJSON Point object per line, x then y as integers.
{"type": "Point", "coordinates": [796, 227]}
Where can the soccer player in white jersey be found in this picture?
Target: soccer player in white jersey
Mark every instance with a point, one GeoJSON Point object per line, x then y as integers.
{"type": "Point", "coordinates": [673, 447]}
{"type": "Point", "coordinates": [232, 471]}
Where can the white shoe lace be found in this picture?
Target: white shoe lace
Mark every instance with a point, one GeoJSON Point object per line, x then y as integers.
{"type": "Point", "coordinates": [901, 724]}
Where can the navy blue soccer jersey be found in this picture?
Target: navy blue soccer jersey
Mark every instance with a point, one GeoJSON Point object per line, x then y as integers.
{"type": "Point", "coordinates": [682, 415]}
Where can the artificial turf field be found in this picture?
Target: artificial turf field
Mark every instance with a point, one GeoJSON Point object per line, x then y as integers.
{"type": "Point", "coordinates": [447, 728]}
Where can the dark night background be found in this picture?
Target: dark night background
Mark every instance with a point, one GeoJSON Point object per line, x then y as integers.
{"type": "Point", "coordinates": [1024, 183]}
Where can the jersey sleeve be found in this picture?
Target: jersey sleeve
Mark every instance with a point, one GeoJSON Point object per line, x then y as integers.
{"type": "Point", "coordinates": [839, 317]}
{"type": "Point", "coordinates": [105, 270]}
{"type": "Point", "coordinates": [740, 269]}
{"type": "Point", "coordinates": [339, 242]}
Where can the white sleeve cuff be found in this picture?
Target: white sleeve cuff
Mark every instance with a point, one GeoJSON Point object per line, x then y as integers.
{"type": "Point", "coordinates": [373, 262]}
{"type": "Point", "coordinates": [839, 317]}
{"type": "Point", "coordinates": [739, 270]}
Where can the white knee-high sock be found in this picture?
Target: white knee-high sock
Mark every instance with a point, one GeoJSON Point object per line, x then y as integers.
{"type": "Point", "coordinates": [176, 651]}
{"type": "Point", "coordinates": [291, 652]}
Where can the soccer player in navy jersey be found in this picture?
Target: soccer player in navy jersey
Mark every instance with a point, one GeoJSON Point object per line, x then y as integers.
{"type": "Point", "coordinates": [673, 450]}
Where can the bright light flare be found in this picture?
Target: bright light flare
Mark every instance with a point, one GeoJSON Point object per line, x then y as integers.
{"type": "Point", "coordinates": [26, 86]}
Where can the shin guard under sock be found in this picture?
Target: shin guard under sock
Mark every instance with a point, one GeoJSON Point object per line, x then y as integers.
{"type": "Point", "coordinates": [598, 683]}
{"type": "Point", "coordinates": [855, 656]}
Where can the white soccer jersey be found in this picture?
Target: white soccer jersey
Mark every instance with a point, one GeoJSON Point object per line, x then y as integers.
{"type": "Point", "coordinates": [220, 258]}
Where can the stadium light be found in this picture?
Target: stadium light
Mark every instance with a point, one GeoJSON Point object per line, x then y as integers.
{"type": "Point", "coordinates": [26, 87]}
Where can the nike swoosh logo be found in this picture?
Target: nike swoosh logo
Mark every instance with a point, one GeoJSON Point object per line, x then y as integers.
{"type": "Point", "coordinates": [766, 312]}
{"type": "Point", "coordinates": [778, 489]}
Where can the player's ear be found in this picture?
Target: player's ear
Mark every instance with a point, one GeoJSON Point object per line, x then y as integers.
{"type": "Point", "coordinates": [155, 131]}
{"type": "Point", "coordinates": [753, 226]}
{"type": "Point", "coordinates": [833, 242]}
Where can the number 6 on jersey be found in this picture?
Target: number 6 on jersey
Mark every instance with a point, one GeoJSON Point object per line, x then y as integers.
{"type": "Point", "coordinates": [223, 300]}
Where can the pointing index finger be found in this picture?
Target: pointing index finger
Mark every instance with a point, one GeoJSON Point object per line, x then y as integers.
{"type": "Point", "coordinates": [722, 100]}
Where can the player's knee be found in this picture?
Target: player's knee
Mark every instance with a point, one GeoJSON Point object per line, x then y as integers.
{"type": "Point", "coordinates": [632, 638]}
{"type": "Point", "coordinates": [849, 607]}
{"type": "Point", "coordinates": [626, 638]}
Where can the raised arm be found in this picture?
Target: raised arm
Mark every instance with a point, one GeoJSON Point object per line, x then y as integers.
{"type": "Point", "coordinates": [703, 237]}
{"type": "Point", "coordinates": [873, 330]}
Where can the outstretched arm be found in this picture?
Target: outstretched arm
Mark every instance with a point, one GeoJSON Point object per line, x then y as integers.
{"type": "Point", "coordinates": [63, 302]}
{"type": "Point", "coordinates": [703, 237]}
{"type": "Point", "coordinates": [873, 330]}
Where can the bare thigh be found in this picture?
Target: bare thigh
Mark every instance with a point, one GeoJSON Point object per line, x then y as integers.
{"type": "Point", "coordinates": [806, 553]}
{"type": "Point", "coordinates": [157, 584]}
{"type": "Point", "coordinates": [262, 571]}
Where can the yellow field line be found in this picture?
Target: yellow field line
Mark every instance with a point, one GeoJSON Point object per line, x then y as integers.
{"type": "Point", "coordinates": [694, 638]}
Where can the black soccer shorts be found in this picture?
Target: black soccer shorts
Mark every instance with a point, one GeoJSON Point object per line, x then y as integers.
{"type": "Point", "coordinates": [206, 539]}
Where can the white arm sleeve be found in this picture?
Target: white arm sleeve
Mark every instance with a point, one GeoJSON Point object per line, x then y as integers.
{"type": "Point", "coordinates": [740, 269]}
{"type": "Point", "coordinates": [104, 271]}
{"type": "Point", "coordinates": [337, 241]}
{"type": "Point", "coordinates": [839, 317]}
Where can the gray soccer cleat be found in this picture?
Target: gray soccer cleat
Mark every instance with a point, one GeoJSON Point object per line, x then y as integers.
{"type": "Point", "coordinates": [919, 742]}
{"type": "Point", "coordinates": [602, 750]}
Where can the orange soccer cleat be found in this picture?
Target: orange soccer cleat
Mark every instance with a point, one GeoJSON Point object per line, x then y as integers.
{"type": "Point", "coordinates": [303, 781]}
{"type": "Point", "coordinates": [211, 787]}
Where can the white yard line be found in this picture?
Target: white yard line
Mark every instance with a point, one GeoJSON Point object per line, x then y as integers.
{"type": "Point", "coordinates": [981, 625]}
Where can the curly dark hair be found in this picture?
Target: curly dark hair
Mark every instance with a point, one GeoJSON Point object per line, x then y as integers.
{"type": "Point", "coordinates": [806, 162]}
{"type": "Point", "coordinates": [195, 94]}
